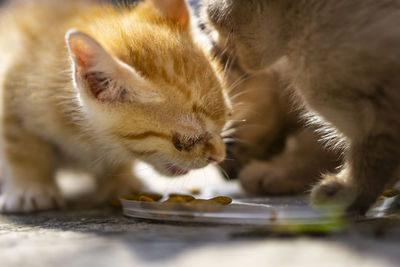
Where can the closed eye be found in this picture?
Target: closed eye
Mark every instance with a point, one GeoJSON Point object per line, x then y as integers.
{"type": "Point", "coordinates": [187, 143]}
{"type": "Point", "coordinates": [145, 135]}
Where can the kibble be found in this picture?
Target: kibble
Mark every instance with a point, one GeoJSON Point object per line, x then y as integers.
{"type": "Point", "coordinates": [154, 196]}
{"type": "Point", "coordinates": [176, 199]}
{"type": "Point", "coordinates": [146, 199]}
{"type": "Point", "coordinates": [390, 193]}
{"type": "Point", "coordinates": [186, 197]}
{"type": "Point", "coordinates": [222, 200]}
{"type": "Point", "coordinates": [187, 202]}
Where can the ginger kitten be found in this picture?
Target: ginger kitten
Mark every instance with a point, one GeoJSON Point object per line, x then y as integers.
{"type": "Point", "coordinates": [95, 87]}
{"type": "Point", "coordinates": [344, 59]}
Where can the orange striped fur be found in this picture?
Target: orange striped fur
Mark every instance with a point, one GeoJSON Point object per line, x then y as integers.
{"type": "Point", "coordinates": [119, 87]}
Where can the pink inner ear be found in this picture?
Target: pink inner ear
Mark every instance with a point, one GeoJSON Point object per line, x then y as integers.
{"type": "Point", "coordinates": [95, 69]}
{"type": "Point", "coordinates": [82, 48]}
{"type": "Point", "coordinates": [96, 83]}
{"type": "Point", "coordinates": [80, 53]}
{"type": "Point", "coordinates": [103, 88]}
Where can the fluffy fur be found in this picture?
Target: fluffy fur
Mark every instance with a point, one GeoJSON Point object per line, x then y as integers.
{"type": "Point", "coordinates": [270, 147]}
{"type": "Point", "coordinates": [94, 87]}
{"type": "Point", "coordinates": [343, 59]}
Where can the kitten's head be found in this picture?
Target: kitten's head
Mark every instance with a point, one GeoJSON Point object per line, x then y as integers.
{"type": "Point", "coordinates": [149, 89]}
{"type": "Point", "coordinates": [253, 30]}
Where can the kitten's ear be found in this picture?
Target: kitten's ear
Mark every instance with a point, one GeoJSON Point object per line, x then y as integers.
{"type": "Point", "coordinates": [175, 10]}
{"type": "Point", "coordinates": [101, 76]}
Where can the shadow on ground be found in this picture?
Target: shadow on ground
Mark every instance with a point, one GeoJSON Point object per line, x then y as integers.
{"type": "Point", "coordinates": [103, 236]}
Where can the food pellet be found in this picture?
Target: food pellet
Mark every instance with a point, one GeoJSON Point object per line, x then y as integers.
{"type": "Point", "coordinates": [186, 197]}
{"type": "Point", "coordinates": [390, 193]}
{"type": "Point", "coordinates": [176, 199]}
{"type": "Point", "coordinates": [222, 200]}
{"type": "Point", "coordinates": [146, 198]}
{"type": "Point", "coordinates": [195, 191]}
{"type": "Point", "coordinates": [154, 196]}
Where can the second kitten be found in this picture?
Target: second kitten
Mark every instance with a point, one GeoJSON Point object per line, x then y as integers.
{"type": "Point", "coordinates": [344, 60]}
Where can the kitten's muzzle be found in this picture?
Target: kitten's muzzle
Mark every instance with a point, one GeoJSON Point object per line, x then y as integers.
{"type": "Point", "coordinates": [215, 149]}
{"type": "Point", "coordinates": [213, 160]}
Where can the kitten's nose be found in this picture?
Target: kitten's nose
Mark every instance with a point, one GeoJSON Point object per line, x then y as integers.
{"type": "Point", "coordinates": [213, 160]}
{"type": "Point", "coordinates": [217, 151]}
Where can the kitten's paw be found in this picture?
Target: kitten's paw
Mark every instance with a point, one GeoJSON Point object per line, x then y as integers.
{"type": "Point", "coordinates": [335, 192]}
{"type": "Point", "coordinates": [332, 191]}
{"type": "Point", "coordinates": [30, 198]}
{"type": "Point", "coordinates": [261, 178]}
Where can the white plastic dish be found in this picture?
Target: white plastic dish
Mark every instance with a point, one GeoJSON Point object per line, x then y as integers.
{"type": "Point", "coordinates": [254, 211]}
{"type": "Point", "coordinates": [260, 211]}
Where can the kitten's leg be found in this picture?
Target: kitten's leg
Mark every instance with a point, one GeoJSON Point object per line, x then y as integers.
{"type": "Point", "coordinates": [370, 167]}
{"type": "Point", "coordinates": [114, 182]}
{"type": "Point", "coordinates": [29, 172]}
{"type": "Point", "coordinates": [292, 171]}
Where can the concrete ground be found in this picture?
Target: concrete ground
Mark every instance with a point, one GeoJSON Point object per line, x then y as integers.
{"type": "Point", "coordinates": [104, 237]}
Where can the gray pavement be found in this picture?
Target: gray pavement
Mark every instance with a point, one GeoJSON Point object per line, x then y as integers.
{"type": "Point", "coordinates": [78, 236]}
{"type": "Point", "coordinates": [103, 237]}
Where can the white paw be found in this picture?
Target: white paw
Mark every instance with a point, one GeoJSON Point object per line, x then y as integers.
{"type": "Point", "coordinates": [29, 198]}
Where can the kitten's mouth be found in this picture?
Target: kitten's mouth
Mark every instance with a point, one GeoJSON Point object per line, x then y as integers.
{"type": "Point", "coordinates": [174, 170]}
